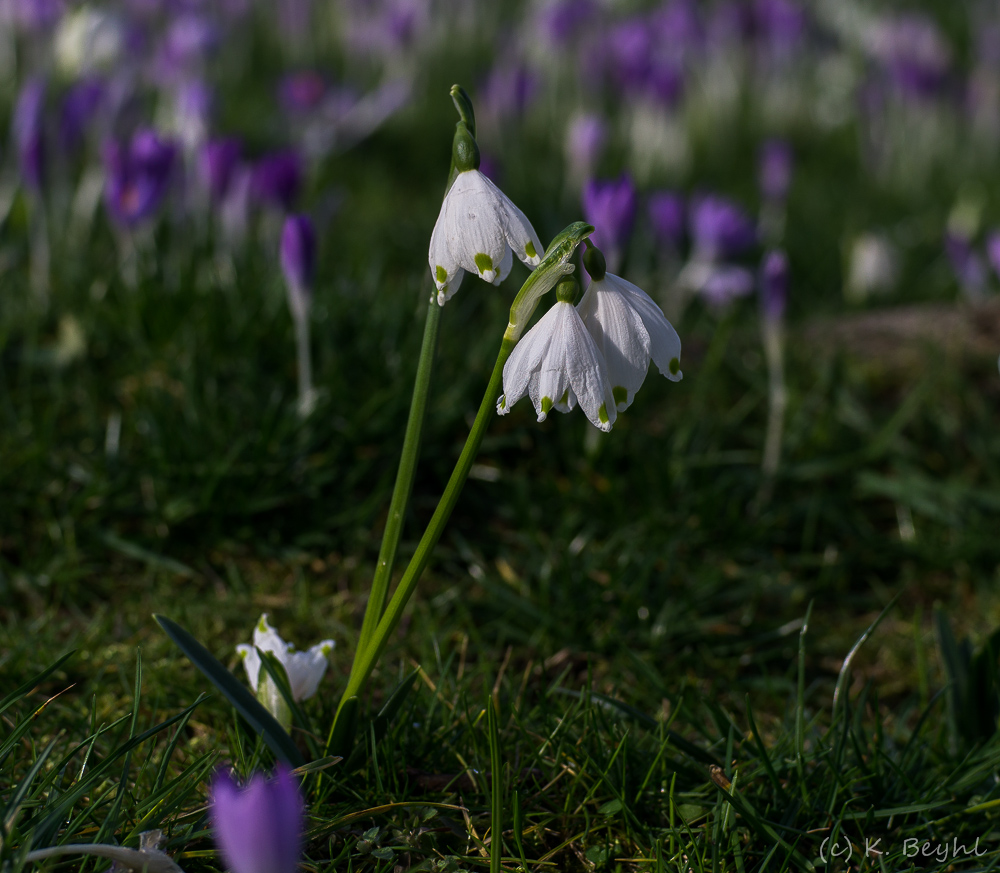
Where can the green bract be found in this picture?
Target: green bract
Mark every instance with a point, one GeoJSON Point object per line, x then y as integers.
{"type": "Point", "coordinates": [552, 268]}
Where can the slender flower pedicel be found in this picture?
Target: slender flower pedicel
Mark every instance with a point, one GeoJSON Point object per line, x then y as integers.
{"type": "Point", "coordinates": [558, 364]}
{"type": "Point", "coordinates": [258, 828]}
{"type": "Point", "coordinates": [628, 328]}
{"type": "Point", "coordinates": [478, 226]}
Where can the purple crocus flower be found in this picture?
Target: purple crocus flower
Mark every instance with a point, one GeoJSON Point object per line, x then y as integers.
{"type": "Point", "coordinates": [966, 263]}
{"type": "Point", "coordinates": [137, 175]}
{"type": "Point", "coordinates": [563, 20]}
{"type": "Point", "coordinates": [298, 261]}
{"type": "Point", "coordinates": [302, 92]}
{"type": "Point", "coordinates": [277, 178]}
{"type": "Point", "coordinates": [80, 105]}
{"type": "Point", "coordinates": [774, 169]}
{"type": "Point", "coordinates": [216, 165]}
{"type": "Point", "coordinates": [666, 215]}
{"type": "Point", "coordinates": [914, 52]}
{"type": "Point", "coordinates": [993, 250]}
{"type": "Point", "coordinates": [726, 284]}
{"type": "Point", "coordinates": [508, 91]}
{"type": "Point", "coordinates": [610, 206]}
{"type": "Point", "coordinates": [678, 30]}
{"type": "Point", "coordinates": [29, 132]}
{"type": "Point", "coordinates": [258, 828]}
{"type": "Point", "coordinates": [719, 228]}
{"type": "Point", "coordinates": [585, 139]}
{"type": "Point", "coordinates": [774, 285]}
{"type": "Point", "coordinates": [629, 53]}
{"type": "Point", "coordinates": [779, 26]}
{"type": "Point", "coordinates": [32, 15]}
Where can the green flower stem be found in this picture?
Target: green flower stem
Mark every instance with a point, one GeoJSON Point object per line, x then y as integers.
{"type": "Point", "coordinates": [368, 654]}
{"type": "Point", "coordinates": [404, 484]}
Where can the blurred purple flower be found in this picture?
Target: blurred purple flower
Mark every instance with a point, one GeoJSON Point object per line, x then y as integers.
{"type": "Point", "coordinates": [610, 206]}
{"type": "Point", "coordinates": [302, 92]}
{"type": "Point", "coordinates": [193, 112]}
{"type": "Point", "coordinates": [138, 175]}
{"type": "Point", "coordinates": [277, 179]}
{"type": "Point", "coordinates": [774, 285]}
{"type": "Point", "coordinates": [774, 169]}
{"type": "Point", "coordinates": [585, 139]}
{"type": "Point", "coordinates": [508, 90]}
{"type": "Point", "coordinates": [966, 263]}
{"type": "Point", "coordinates": [216, 165]}
{"type": "Point", "coordinates": [563, 20]}
{"type": "Point", "coordinates": [629, 48]}
{"type": "Point", "coordinates": [33, 15]}
{"type": "Point", "coordinates": [779, 26]}
{"type": "Point", "coordinates": [80, 105]}
{"type": "Point", "coordinates": [298, 261]}
{"type": "Point", "coordinates": [29, 132]}
{"type": "Point", "coordinates": [678, 30]}
{"type": "Point", "coordinates": [993, 250]}
{"type": "Point", "coordinates": [666, 215]}
{"type": "Point", "coordinates": [914, 52]}
{"type": "Point", "coordinates": [258, 828]}
{"type": "Point", "coordinates": [719, 228]}
{"type": "Point", "coordinates": [726, 284]}
{"type": "Point", "coordinates": [188, 42]}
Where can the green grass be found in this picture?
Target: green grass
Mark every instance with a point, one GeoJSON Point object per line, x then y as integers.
{"type": "Point", "coordinates": [639, 617]}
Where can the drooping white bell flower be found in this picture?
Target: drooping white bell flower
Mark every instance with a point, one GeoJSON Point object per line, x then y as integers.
{"type": "Point", "coordinates": [304, 669]}
{"type": "Point", "coordinates": [628, 328]}
{"type": "Point", "coordinates": [557, 363]}
{"type": "Point", "coordinates": [477, 228]}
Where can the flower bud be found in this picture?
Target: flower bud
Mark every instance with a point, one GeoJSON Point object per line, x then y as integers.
{"type": "Point", "coordinates": [298, 259]}
{"type": "Point", "coordinates": [464, 149]}
{"type": "Point", "coordinates": [594, 262]}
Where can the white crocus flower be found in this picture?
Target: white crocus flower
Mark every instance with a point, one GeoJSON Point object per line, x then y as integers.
{"type": "Point", "coordinates": [557, 363]}
{"type": "Point", "coordinates": [629, 329]}
{"type": "Point", "coordinates": [304, 669]}
{"type": "Point", "coordinates": [476, 230]}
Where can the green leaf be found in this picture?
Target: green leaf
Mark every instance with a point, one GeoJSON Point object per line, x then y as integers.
{"type": "Point", "coordinates": [397, 697]}
{"type": "Point", "coordinates": [243, 701]}
{"type": "Point", "coordinates": [276, 671]}
{"type": "Point", "coordinates": [344, 728]}
{"type": "Point", "coordinates": [611, 807]}
{"type": "Point", "coordinates": [21, 690]}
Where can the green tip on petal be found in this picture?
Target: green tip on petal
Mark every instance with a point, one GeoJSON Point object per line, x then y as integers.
{"type": "Point", "coordinates": [674, 366]}
{"type": "Point", "coordinates": [602, 414]}
{"type": "Point", "coordinates": [441, 275]}
{"type": "Point", "coordinates": [620, 395]}
{"type": "Point", "coordinates": [484, 263]}
{"type": "Point", "coordinates": [529, 249]}
{"type": "Point", "coordinates": [546, 405]}
{"type": "Point", "coordinates": [503, 401]}
{"type": "Point", "coordinates": [564, 400]}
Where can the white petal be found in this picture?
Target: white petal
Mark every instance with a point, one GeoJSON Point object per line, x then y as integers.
{"type": "Point", "coordinates": [305, 669]}
{"type": "Point", "coordinates": [664, 344]}
{"type": "Point", "coordinates": [520, 234]}
{"type": "Point", "coordinates": [251, 663]}
{"type": "Point", "coordinates": [523, 362]}
{"type": "Point", "coordinates": [266, 638]}
{"type": "Point", "coordinates": [471, 224]}
{"type": "Point", "coordinates": [620, 336]}
{"type": "Point", "coordinates": [574, 362]}
{"type": "Point", "coordinates": [445, 270]}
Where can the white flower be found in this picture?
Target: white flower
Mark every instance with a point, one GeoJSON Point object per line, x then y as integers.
{"type": "Point", "coordinates": [629, 328]}
{"type": "Point", "coordinates": [476, 230]}
{"type": "Point", "coordinates": [557, 363]}
{"type": "Point", "coordinates": [304, 669]}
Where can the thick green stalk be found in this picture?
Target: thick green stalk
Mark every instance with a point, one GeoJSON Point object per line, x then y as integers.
{"type": "Point", "coordinates": [367, 656]}
{"type": "Point", "coordinates": [404, 483]}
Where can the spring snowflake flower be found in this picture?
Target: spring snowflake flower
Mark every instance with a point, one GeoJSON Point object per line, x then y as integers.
{"type": "Point", "coordinates": [477, 229]}
{"type": "Point", "coordinates": [558, 364]}
{"type": "Point", "coordinates": [629, 329]}
{"type": "Point", "coordinates": [304, 669]}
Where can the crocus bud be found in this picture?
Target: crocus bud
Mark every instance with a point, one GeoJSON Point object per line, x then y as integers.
{"type": "Point", "coordinates": [666, 214]}
{"type": "Point", "coordinates": [217, 163]}
{"type": "Point", "coordinates": [137, 175]}
{"type": "Point", "coordinates": [277, 179]}
{"type": "Point", "coordinates": [719, 228]}
{"type": "Point", "coordinates": [774, 285]}
{"type": "Point", "coordinates": [298, 260]}
{"type": "Point", "coordinates": [774, 169]}
{"type": "Point", "coordinates": [610, 207]}
{"type": "Point", "coordinates": [29, 132]}
{"type": "Point", "coordinates": [993, 250]}
{"type": "Point", "coordinates": [258, 828]}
